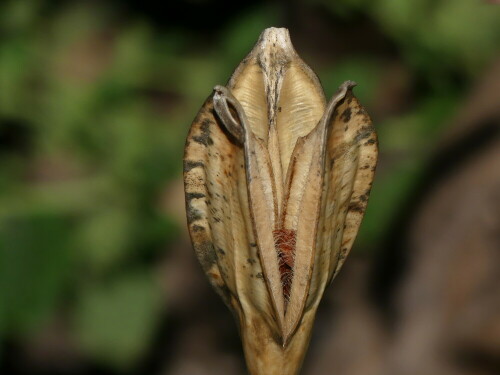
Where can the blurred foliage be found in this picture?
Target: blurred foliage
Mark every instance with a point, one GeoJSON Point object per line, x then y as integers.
{"type": "Point", "coordinates": [94, 108]}
{"type": "Point", "coordinates": [114, 322]}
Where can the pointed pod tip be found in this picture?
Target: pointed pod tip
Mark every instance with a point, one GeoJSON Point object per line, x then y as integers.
{"type": "Point", "coordinates": [276, 32]}
{"type": "Point", "coordinates": [276, 37]}
{"type": "Point", "coordinates": [348, 85]}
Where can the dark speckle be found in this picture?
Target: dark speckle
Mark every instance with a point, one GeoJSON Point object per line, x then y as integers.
{"type": "Point", "coordinates": [346, 115]}
{"type": "Point", "coordinates": [200, 139]}
{"type": "Point", "coordinates": [198, 228]}
{"type": "Point", "coordinates": [362, 135]}
{"type": "Point", "coordinates": [356, 206]}
{"type": "Point", "coordinates": [343, 253]}
{"type": "Point", "coordinates": [193, 214]}
{"type": "Point", "coordinates": [190, 196]}
{"type": "Point", "coordinates": [370, 142]}
{"type": "Point", "coordinates": [204, 137]}
{"type": "Point", "coordinates": [206, 254]}
{"type": "Point", "coordinates": [188, 165]}
{"type": "Point", "coordinates": [205, 124]}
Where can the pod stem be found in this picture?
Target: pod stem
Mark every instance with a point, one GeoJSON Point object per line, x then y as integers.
{"type": "Point", "coordinates": [265, 354]}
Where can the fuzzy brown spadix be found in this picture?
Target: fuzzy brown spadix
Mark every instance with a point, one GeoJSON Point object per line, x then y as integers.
{"type": "Point", "coordinates": [277, 182]}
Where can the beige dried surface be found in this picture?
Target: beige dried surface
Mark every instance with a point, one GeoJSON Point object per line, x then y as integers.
{"type": "Point", "coordinates": [276, 186]}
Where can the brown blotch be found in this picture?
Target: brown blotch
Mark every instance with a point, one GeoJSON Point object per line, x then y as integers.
{"type": "Point", "coordinates": [190, 196]}
{"type": "Point", "coordinates": [362, 134]}
{"type": "Point", "coordinates": [346, 115]}
{"type": "Point", "coordinates": [356, 206]}
{"type": "Point", "coordinates": [188, 165]}
{"type": "Point", "coordinates": [198, 228]}
{"type": "Point", "coordinates": [343, 253]}
{"type": "Point", "coordinates": [206, 254]}
{"type": "Point", "coordinates": [204, 136]}
{"type": "Point", "coordinates": [193, 214]}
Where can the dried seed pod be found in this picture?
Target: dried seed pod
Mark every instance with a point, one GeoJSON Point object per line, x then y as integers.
{"type": "Point", "coordinates": [276, 182]}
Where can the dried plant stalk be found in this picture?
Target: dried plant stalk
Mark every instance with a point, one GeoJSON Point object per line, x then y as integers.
{"type": "Point", "coordinates": [277, 182]}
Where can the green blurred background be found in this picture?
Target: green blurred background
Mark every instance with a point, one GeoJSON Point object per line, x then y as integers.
{"type": "Point", "coordinates": [96, 98]}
